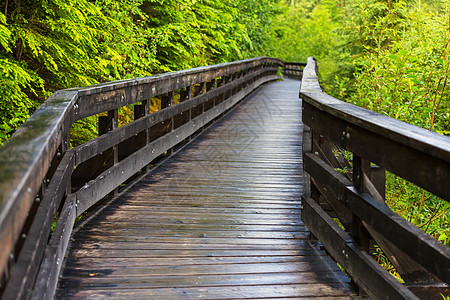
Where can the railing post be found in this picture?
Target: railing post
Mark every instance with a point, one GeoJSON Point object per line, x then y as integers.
{"type": "Point", "coordinates": [226, 80]}
{"type": "Point", "coordinates": [307, 142]}
{"type": "Point", "coordinates": [185, 95]}
{"type": "Point", "coordinates": [359, 232]}
{"type": "Point", "coordinates": [168, 101]}
{"type": "Point", "coordinates": [142, 139]}
{"type": "Point", "coordinates": [111, 157]}
{"type": "Point", "coordinates": [210, 85]}
{"type": "Point", "coordinates": [221, 97]}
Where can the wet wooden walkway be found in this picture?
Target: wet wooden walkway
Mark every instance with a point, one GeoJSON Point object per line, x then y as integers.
{"type": "Point", "coordinates": [218, 220]}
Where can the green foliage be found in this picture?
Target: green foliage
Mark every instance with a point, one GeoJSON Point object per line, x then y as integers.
{"type": "Point", "coordinates": [381, 258]}
{"type": "Point", "coordinates": [309, 28]}
{"type": "Point", "coordinates": [15, 105]}
{"type": "Point", "coordinates": [402, 70]}
{"type": "Point", "coordinates": [406, 53]}
{"type": "Point", "coordinates": [84, 130]}
{"type": "Point", "coordinates": [57, 44]}
{"type": "Point", "coordinates": [419, 207]}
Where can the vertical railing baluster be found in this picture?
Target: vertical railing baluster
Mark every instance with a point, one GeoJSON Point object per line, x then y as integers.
{"type": "Point", "coordinates": [142, 139]}
{"type": "Point", "coordinates": [105, 124]}
{"type": "Point", "coordinates": [210, 85]}
{"type": "Point", "coordinates": [168, 101]}
{"type": "Point", "coordinates": [359, 233]}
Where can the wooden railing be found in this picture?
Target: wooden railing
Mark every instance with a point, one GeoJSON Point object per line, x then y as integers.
{"type": "Point", "coordinates": [43, 179]}
{"type": "Point", "coordinates": [376, 143]}
{"type": "Point", "coordinates": [293, 70]}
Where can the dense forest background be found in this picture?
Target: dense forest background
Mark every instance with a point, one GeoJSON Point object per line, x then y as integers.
{"type": "Point", "coordinates": [390, 56]}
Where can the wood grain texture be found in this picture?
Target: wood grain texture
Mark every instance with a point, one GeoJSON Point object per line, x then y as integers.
{"type": "Point", "coordinates": [218, 220]}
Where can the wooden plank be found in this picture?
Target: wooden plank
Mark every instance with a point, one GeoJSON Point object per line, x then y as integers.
{"type": "Point", "coordinates": [101, 262]}
{"type": "Point", "coordinates": [140, 240]}
{"type": "Point", "coordinates": [92, 245]}
{"type": "Point", "coordinates": [342, 212]}
{"type": "Point", "coordinates": [310, 82]}
{"type": "Point", "coordinates": [204, 221]}
{"type": "Point", "coordinates": [184, 270]}
{"type": "Point", "coordinates": [94, 282]}
{"type": "Point", "coordinates": [250, 292]}
{"type": "Point", "coordinates": [174, 209]}
{"type": "Point", "coordinates": [191, 253]}
{"type": "Point", "coordinates": [177, 225]}
{"type": "Point", "coordinates": [435, 291]}
{"type": "Point", "coordinates": [141, 201]}
{"type": "Point", "coordinates": [102, 160]}
{"type": "Point", "coordinates": [326, 177]}
{"type": "Point", "coordinates": [194, 212]}
{"type": "Point", "coordinates": [181, 236]}
{"type": "Point", "coordinates": [422, 248]}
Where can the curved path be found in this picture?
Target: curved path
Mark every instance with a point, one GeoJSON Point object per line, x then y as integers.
{"type": "Point", "coordinates": [218, 220]}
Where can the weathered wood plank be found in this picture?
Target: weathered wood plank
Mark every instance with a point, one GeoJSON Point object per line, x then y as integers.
{"type": "Point", "coordinates": [241, 292]}
{"type": "Point", "coordinates": [184, 270]}
{"type": "Point", "coordinates": [200, 280]}
{"type": "Point", "coordinates": [191, 253]}
{"type": "Point", "coordinates": [212, 226]}
{"type": "Point", "coordinates": [139, 240]}
{"type": "Point", "coordinates": [101, 262]}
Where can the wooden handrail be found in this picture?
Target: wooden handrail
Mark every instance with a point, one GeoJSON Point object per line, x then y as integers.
{"type": "Point", "coordinates": [293, 69]}
{"type": "Point", "coordinates": [39, 179]}
{"type": "Point", "coordinates": [418, 155]}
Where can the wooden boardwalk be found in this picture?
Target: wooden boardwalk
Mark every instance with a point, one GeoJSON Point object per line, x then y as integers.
{"type": "Point", "coordinates": [219, 220]}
